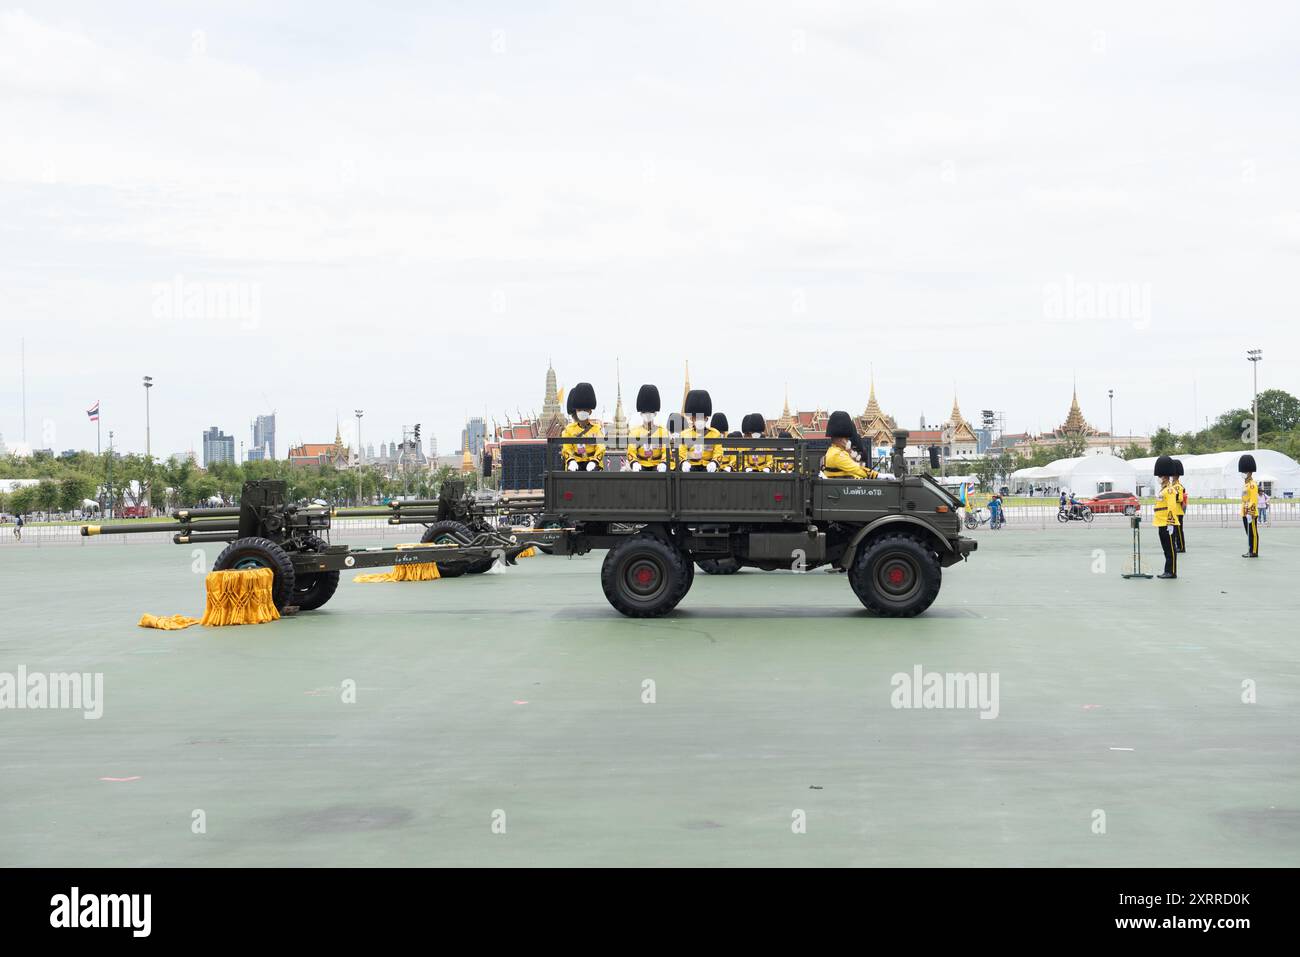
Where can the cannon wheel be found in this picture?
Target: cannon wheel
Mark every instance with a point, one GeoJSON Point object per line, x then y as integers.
{"type": "Point", "coordinates": [645, 577]}
{"type": "Point", "coordinates": [896, 576]}
{"type": "Point", "coordinates": [719, 566]}
{"type": "Point", "coordinates": [313, 589]}
{"type": "Point", "coordinates": [448, 532]}
{"type": "Point", "coordinates": [262, 553]}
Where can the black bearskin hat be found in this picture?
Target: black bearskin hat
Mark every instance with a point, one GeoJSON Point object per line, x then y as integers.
{"type": "Point", "coordinates": [1165, 466]}
{"type": "Point", "coordinates": [1246, 464]}
{"type": "Point", "coordinates": [840, 426]}
{"type": "Point", "coordinates": [647, 400]}
{"type": "Point", "coordinates": [719, 422]}
{"type": "Point", "coordinates": [676, 423]}
{"type": "Point", "coordinates": [754, 422]}
{"type": "Point", "coordinates": [1178, 468]}
{"type": "Point", "coordinates": [581, 396]}
{"type": "Point", "coordinates": [698, 403]}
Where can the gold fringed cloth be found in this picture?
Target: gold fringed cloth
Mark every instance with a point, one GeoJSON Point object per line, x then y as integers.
{"type": "Point", "coordinates": [414, 572]}
{"type": "Point", "coordinates": [167, 622]}
{"type": "Point", "coordinates": [235, 597]}
{"type": "Point", "coordinates": [240, 597]}
{"type": "Point", "coordinates": [528, 552]}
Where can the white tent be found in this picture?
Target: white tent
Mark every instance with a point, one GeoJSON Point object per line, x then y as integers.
{"type": "Point", "coordinates": [1215, 474]}
{"type": "Point", "coordinates": [1086, 475]}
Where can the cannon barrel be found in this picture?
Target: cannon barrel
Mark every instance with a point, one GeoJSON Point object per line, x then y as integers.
{"type": "Point", "coordinates": [192, 538]}
{"type": "Point", "coordinates": [139, 528]}
{"type": "Point", "coordinates": [188, 514]}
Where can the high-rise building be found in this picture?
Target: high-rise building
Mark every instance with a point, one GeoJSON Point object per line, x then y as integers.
{"type": "Point", "coordinates": [433, 448]}
{"type": "Point", "coordinates": [263, 445]}
{"type": "Point", "coordinates": [217, 447]}
{"type": "Point", "coordinates": [473, 436]}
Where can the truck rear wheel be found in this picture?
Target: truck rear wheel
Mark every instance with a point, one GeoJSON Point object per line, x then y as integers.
{"type": "Point", "coordinates": [645, 577]}
{"type": "Point", "coordinates": [896, 576]}
{"type": "Point", "coordinates": [719, 566]}
{"type": "Point", "coordinates": [254, 552]}
{"type": "Point", "coordinates": [313, 589]}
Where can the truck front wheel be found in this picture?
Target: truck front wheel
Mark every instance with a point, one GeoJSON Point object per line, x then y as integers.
{"type": "Point", "coordinates": [645, 577]}
{"type": "Point", "coordinates": [896, 576]}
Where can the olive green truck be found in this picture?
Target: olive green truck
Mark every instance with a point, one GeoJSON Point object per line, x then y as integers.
{"type": "Point", "coordinates": [891, 535]}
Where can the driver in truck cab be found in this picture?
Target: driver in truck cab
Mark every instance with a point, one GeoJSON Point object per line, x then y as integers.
{"type": "Point", "coordinates": [753, 426]}
{"type": "Point", "coordinates": [647, 443]}
{"type": "Point", "coordinates": [840, 461]}
{"type": "Point", "coordinates": [695, 455]}
{"type": "Point", "coordinates": [588, 453]}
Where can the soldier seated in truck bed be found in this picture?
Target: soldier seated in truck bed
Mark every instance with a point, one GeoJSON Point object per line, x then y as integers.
{"type": "Point", "coordinates": [839, 461]}
{"type": "Point", "coordinates": [589, 453]}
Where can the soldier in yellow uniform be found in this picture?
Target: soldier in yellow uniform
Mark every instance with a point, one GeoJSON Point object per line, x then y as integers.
{"type": "Point", "coordinates": [723, 457]}
{"type": "Point", "coordinates": [647, 443]}
{"type": "Point", "coordinates": [1166, 519]}
{"type": "Point", "coordinates": [753, 426]}
{"type": "Point", "coordinates": [839, 461]}
{"type": "Point", "coordinates": [1180, 506]}
{"type": "Point", "coordinates": [696, 455]}
{"type": "Point", "coordinates": [1249, 506]}
{"type": "Point", "coordinates": [587, 455]}
{"type": "Point", "coordinates": [784, 460]}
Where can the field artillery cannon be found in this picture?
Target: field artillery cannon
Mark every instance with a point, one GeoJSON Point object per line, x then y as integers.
{"type": "Point", "coordinates": [892, 535]}
{"type": "Point", "coordinates": [266, 531]}
{"type": "Point", "coordinates": [456, 517]}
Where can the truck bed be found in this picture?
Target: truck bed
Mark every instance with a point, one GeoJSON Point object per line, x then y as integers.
{"type": "Point", "coordinates": [677, 496]}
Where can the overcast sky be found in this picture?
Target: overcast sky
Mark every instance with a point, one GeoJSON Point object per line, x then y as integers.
{"type": "Point", "coordinates": [417, 204]}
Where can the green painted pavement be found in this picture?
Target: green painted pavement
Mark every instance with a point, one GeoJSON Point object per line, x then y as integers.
{"type": "Point", "coordinates": [773, 695]}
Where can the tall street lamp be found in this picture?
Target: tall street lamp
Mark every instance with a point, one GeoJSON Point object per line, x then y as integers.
{"type": "Point", "coordinates": [360, 455]}
{"type": "Point", "coordinates": [148, 453]}
{"type": "Point", "coordinates": [1110, 394]}
{"type": "Point", "coordinates": [1254, 355]}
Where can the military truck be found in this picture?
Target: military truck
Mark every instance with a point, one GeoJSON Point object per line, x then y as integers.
{"type": "Point", "coordinates": [892, 536]}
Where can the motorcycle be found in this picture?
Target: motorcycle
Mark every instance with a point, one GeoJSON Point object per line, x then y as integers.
{"type": "Point", "coordinates": [1068, 514]}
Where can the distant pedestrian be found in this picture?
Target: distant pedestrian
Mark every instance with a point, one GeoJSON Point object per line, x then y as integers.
{"type": "Point", "coordinates": [18, 527]}
{"type": "Point", "coordinates": [1263, 507]}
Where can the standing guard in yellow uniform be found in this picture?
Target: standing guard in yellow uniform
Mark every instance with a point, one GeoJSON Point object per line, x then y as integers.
{"type": "Point", "coordinates": [696, 455]}
{"type": "Point", "coordinates": [753, 426]}
{"type": "Point", "coordinates": [587, 455]}
{"type": "Point", "coordinates": [647, 443]}
{"type": "Point", "coordinates": [1166, 518]}
{"type": "Point", "coordinates": [839, 461]}
{"type": "Point", "coordinates": [1249, 506]}
{"type": "Point", "coordinates": [1180, 506]}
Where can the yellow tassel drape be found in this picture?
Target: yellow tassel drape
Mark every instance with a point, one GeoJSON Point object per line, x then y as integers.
{"type": "Point", "coordinates": [235, 597]}
{"type": "Point", "coordinates": [413, 572]}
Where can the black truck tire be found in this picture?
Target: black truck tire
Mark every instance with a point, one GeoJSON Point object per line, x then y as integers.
{"type": "Point", "coordinates": [449, 532]}
{"type": "Point", "coordinates": [313, 589]}
{"type": "Point", "coordinates": [645, 577]}
{"type": "Point", "coordinates": [256, 552]}
{"type": "Point", "coordinates": [719, 566]}
{"type": "Point", "coordinates": [896, 576]}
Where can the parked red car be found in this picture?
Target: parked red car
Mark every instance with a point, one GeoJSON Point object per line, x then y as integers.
{"type": "Point", "coordinates": [1125, 502]}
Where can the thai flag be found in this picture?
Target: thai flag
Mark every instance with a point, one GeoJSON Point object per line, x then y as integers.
{"type": "Point", "coordinates": [93, 412]}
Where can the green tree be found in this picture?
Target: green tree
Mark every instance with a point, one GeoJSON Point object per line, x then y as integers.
{"type": "Point", "coordinates": [1280, 409]}
{"type": "Point", "coordinates": [1163, 442]}
{"type": "Point", "coordinates": [73, 490]}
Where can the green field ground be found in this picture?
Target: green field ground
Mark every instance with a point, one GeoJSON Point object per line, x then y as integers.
{"type": "Point", "coordinates": [522, 692]}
